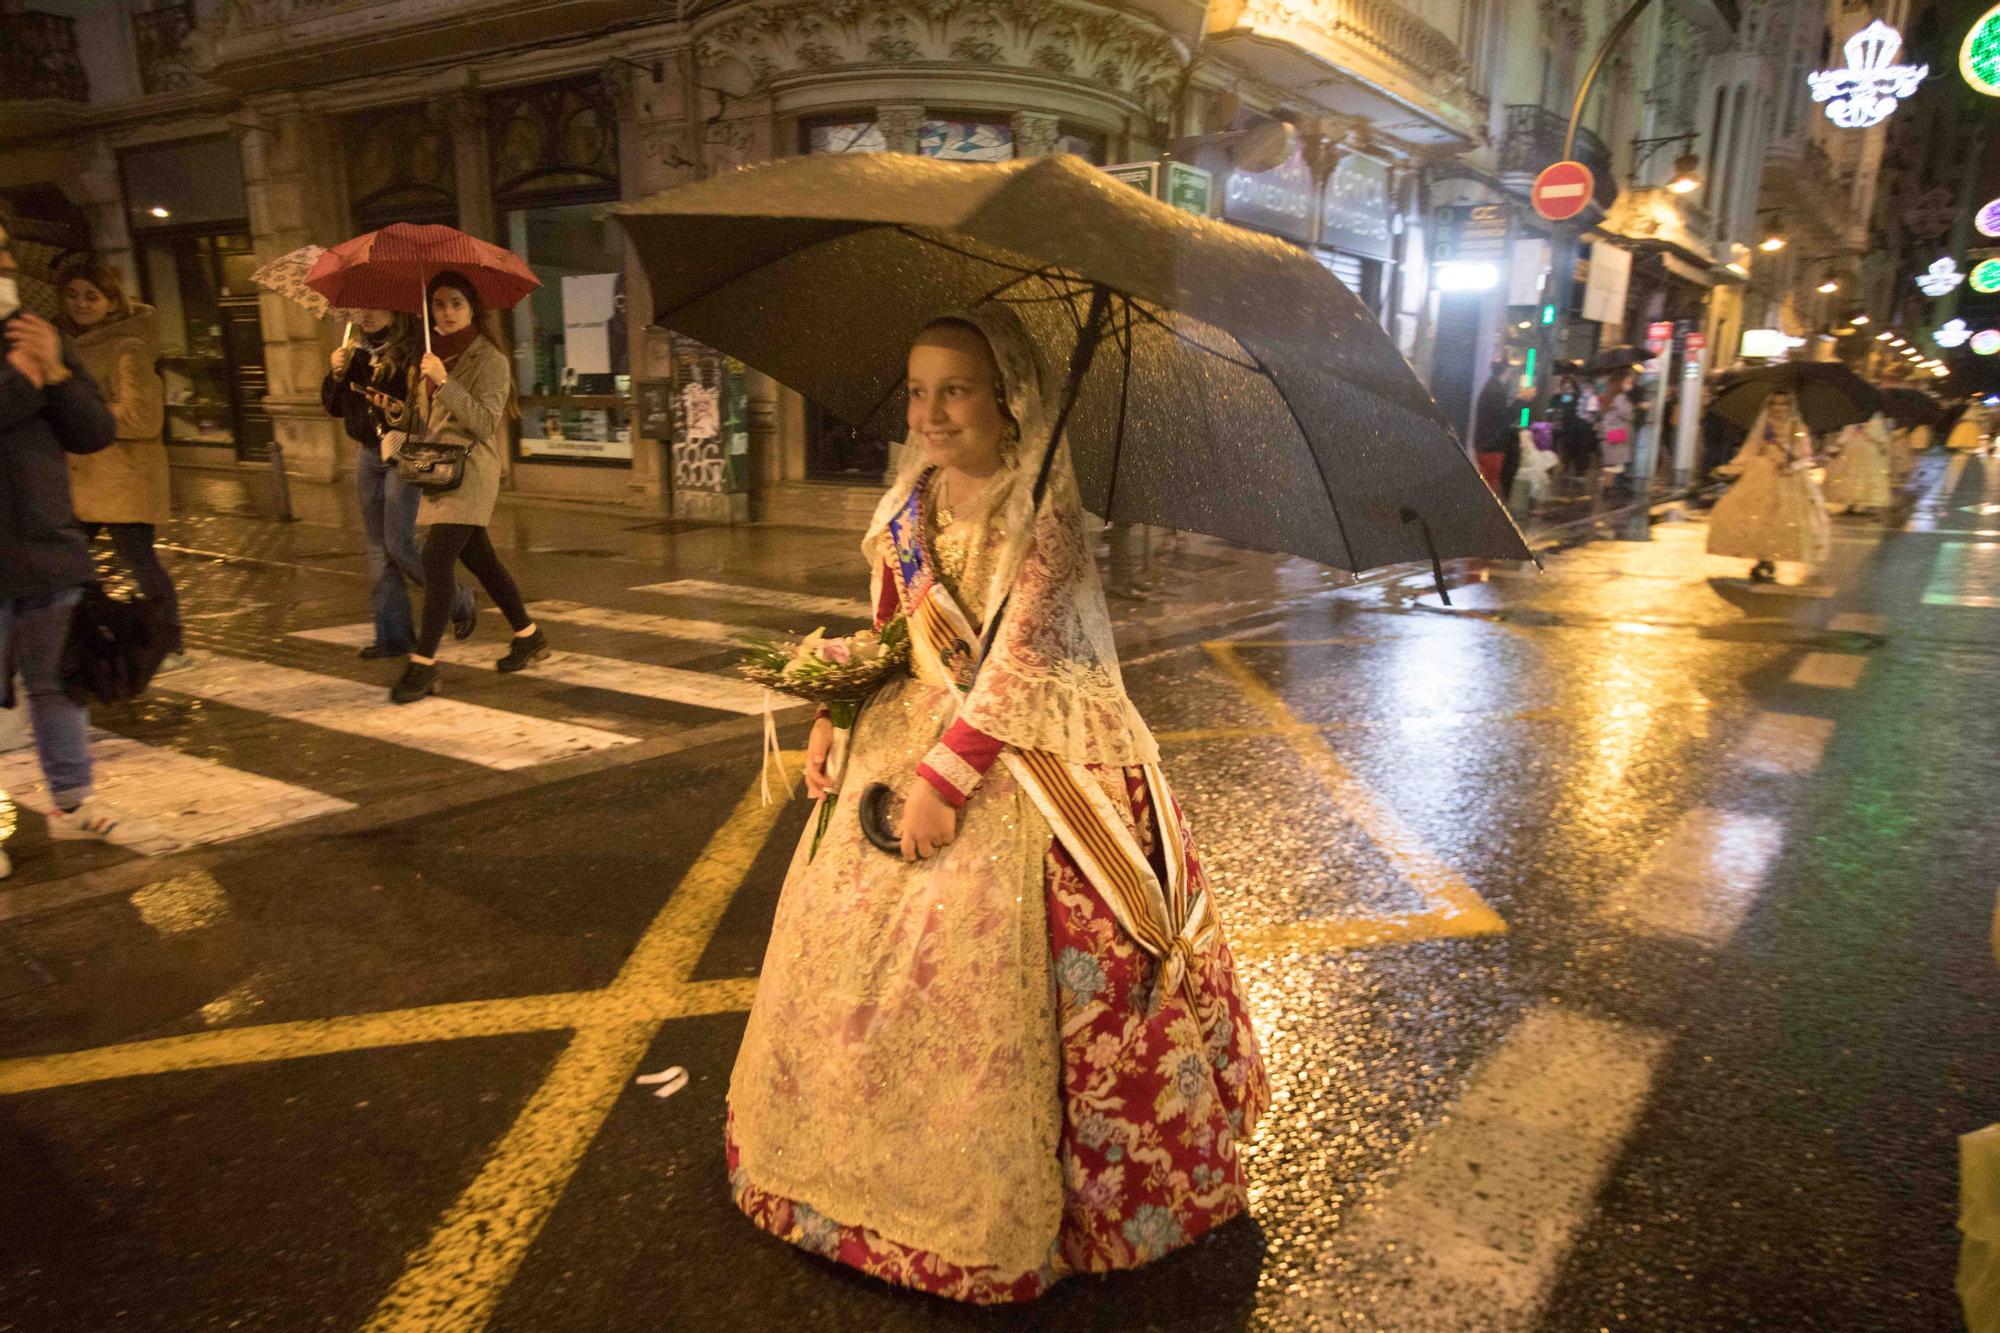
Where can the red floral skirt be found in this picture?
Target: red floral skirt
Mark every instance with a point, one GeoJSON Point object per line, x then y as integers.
{"type": "Point", "coordinates": [1155, 1100]}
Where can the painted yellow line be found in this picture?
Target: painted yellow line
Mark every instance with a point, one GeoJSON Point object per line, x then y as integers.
{"type": "Point", "coordinates": [1454, 902]}
{"type": "Point", "coordinates": [452, 1283]}
{"type": "Point", "coordinates": [294, 1041]}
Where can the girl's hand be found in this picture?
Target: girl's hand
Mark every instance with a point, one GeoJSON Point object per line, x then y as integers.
{"type": "Point", "coordinates": [339, 359]}
{"type": "Point", "coordinates": [817, 750]}
{"type": "Point", "coordinates": [432, 368]}
{"type": "Point", "coordinates": [928, 823]}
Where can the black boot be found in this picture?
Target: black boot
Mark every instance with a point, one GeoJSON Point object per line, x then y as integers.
{"type": "Point", "coordinates": [526, 648]}
{"type": "Point", "coordinates": [1763, 572]}
{"type": "Point", "coordinates": [419, 680]}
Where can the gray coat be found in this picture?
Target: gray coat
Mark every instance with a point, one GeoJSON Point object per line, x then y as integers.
{"type": "Point", "coordinates": [469, 409]}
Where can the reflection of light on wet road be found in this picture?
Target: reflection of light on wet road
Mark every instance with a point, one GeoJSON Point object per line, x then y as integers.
{"type": "Point", "coordinates": [183, 904]}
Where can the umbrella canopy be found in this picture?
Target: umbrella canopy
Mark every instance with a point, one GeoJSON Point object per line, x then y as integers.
{"type": "Point", "coordinates": [286, 275]}
{"type": "Point", "coordinates": [1828, 394]}
{"type": "Point", "coordinates": [1221, 381]}
{"type": "Point", "coordinates": [1613, 359]}
{"type": "Point", "coordinates": [390, 269]}
{"type": "Point", "coordinates": [1912, 407]}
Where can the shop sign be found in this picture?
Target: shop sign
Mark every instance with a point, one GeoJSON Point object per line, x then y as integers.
{"type": "Point", "coordinates": [1355, 212]}
{"type": "Point", "coordinates": [1697, 342]}
{"type": "Point", "coordinates": [1471, 231]}
{"type": "Point", "coordinates": [1610, 279]}
{"type": "Point", "coordinates": [1279, 200]}
{"type": "Point", "coordinates": [1867, 91]}
{"type": "Point", "coordinates": [1182, 184]}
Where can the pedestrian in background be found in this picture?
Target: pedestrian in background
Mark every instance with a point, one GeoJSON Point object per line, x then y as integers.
{"type": "Point", "coordinates": [1773, 511]}
{"type": "Point", "coordinates": [1493, 427]}
{"type": "Point", "coordinates": [1575, 436]}
{"type": "Point", "coordinates": [50, 411]}
{"type": "Point", "coordinates": [124, 489]}
{"type": "Point", "coordinates": [383, 359]}
{"type": "Point", "coordinates": [1857, 476]}
{"type": "Point", "coordinates": [462, 394]}
{"type": "Point", "coordinates": [1615, 426]}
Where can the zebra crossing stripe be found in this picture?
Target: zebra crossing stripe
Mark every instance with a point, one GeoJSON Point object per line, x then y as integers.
{"type": "Point", "coordinates": [669, 684]}
{"type": "Point", "coordinates": [187, 800]}
{"type": "Point", "coordinates": [639, 622]}
{"type": "Point", "coordinates": [489, 737]}
{"type": "Point", "coordinates": [707, 590]}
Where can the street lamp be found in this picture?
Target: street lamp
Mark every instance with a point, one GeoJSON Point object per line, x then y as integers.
{"type": "Point", "coordinates": [1686, 180]}
{"type": "Point", "coordinates": [1858, 319]}
{"type": "Point", "coordinates": [1771, 244]}
{"type": "Point", "coordinates": [1829, 287]}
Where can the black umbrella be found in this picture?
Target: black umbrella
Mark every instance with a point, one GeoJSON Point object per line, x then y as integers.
{"type": "Point", "coordinates": [1827, 394]}
{"type": "Point", "coordinates": [1911, 407]}
{"type": "Point", "coordinates": [1614, 359]}
{"type": "Point", "coordinates": [1220, 381]}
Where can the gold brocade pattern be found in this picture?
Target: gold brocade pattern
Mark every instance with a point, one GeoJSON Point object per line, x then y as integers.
{"type": "Point", "coordinates": [1773, 511]}
{"type": "Point", "coordinates": [899, 1071]}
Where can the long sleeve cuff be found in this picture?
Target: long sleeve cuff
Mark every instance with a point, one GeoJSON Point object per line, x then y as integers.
{"type": "Point", "coordinates": [958, 761]}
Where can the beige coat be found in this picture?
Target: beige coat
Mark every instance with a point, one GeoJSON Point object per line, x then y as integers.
{"type": "Point", "coordinates": [469, 409]}
{"type": "Point", "coordinates": [126, 483]}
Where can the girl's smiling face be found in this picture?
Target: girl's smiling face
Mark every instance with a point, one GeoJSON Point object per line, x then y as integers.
{"type": "Point", "coordinates": [954, 400]}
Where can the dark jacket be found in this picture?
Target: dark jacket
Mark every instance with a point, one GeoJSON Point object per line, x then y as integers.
{"type": "Point", "coordinates": [42, 550]}
{"type": "Point", "coordinates": [343, 398]}
{"type": "Point", "coordinates": [1491, 417]}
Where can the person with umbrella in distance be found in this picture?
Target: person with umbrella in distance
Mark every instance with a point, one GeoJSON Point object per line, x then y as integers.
{"type": "Point", "coordinates": [461, 393]}
{"type": "Point", "coordinates": [955, 1100]}
{"type": "Point", "coordinates": [1772, 510]}
{"type": "Point", "coordinates": [1857, 476]}
{"type": "Point", "coordinates": [1493, 427]}
{"type": "Point", "coordinates": [382, 360]}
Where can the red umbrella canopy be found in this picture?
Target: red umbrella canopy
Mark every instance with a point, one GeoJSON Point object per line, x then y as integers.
{"type": "Point", "coordinates": [390, 269]}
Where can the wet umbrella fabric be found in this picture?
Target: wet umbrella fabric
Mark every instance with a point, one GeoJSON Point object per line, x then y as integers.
{"type": "Point", "coordinates": [390, 269]}
{"type": "Point", "coordinates": [1912, 407]}
{"type": "Point", "coordinates": [286, 275]}
{"type": "Point", "coordinates": [1221, 381]}
{"type": "Point", "coordinates": [1827, 393]}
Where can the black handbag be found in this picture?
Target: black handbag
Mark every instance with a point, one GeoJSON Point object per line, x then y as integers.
{"type": "Point", "coordinates": [114, 646]}
{"type": "Point", "coordinates": [435, 468]}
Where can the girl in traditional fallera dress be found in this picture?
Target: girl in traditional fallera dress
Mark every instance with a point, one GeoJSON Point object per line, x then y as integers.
{"type": "Point", "coordinates": [982, 1065]}
{"type": "Point", "coordinates": [1772, 511]}
{"type": "Point", "coordinates": [1858, 477]}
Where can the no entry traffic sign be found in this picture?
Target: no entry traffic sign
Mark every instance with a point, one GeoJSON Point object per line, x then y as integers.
{"type": "Point", "coordinates": [1562, 190]}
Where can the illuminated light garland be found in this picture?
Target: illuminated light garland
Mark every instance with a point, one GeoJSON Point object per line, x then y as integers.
{"type": "Point", "coordinates": [1942, 278]}
{"type": "Point", "coordinates": [1979, 56]}
{"type": "Point", "coordinates": [1869, 89]}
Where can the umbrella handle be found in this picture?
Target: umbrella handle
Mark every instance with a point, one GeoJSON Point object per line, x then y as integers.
{"type": "Point", "coordinates": [424, 308]}
{"type": "Point", "coordinates": [347, 334]}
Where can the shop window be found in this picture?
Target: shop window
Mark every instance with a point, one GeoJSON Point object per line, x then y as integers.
{"type": "Point", "coordinates": [843, 136]}
{"type": "Point", "coordinates": [1083, 144]}
{"type": "Point", "coordinates": [553, 138]}
{"type": "Point", "coordinates": [400, 166]}
{"type": "Point", "coordinates": [570, 349]}
{"type": "Point", "coordinates": [966, 140]}
{"type": "Point", "coordinates": [211, 339]}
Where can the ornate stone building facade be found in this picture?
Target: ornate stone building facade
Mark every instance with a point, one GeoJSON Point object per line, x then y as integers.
{"type": "Point", "coordinates": [190, 146]}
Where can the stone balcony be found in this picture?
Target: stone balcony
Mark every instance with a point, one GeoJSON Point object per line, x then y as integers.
{"type": "Point", "coordinates": [1534, 140]}
{"type": "Point", "coordinates": [1369, 59]}
{"type": "Point", "coordinates": [43, 86]}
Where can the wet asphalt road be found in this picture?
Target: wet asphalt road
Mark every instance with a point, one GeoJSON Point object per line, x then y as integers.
{"type": "Point", "coordinates": [1619, 938]}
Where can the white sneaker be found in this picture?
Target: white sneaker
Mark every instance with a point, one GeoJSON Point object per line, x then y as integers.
{"type": "Point", "coordinates": [174, 662]}
{"type": "Point", "coordinates": [97, 820]}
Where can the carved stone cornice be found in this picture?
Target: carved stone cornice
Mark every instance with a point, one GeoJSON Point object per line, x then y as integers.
{"type": "Point", "coordinates": [1120, 53]}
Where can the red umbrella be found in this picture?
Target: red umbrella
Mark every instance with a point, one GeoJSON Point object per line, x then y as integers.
{"type": "Point", "coordinates": [391, 269]}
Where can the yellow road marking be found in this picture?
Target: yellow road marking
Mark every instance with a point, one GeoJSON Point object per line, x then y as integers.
{"type": "Point", "coordinates": [1455, 909]}
{"type": "Point", "coordinates": [455, 1279]}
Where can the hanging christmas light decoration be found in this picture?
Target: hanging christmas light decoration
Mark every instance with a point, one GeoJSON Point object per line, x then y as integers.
{"type": "Point", "coordinates": [1987, 219]}
{"type": "Point", "coordinates": [1942, 277]}
{"type": "Point", "coordinates": [1952, 333]}
{"type": "Point", "coordinates": [1873, 83]}
{"type": "Point", "coordinates": [1979, 57]}
{"type": "Point", "coordinates": [1986, 276]}
{"type": "Point", "coordinates": [1986, 342]}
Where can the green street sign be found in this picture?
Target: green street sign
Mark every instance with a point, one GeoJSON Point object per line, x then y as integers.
{"type": "Point", "coordinates": [1186, 187]}
{"type": "Point", "coordinates": [1189, 189]}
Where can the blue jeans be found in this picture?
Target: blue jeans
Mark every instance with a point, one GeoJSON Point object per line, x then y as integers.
{"type": "Point", "coordinates": [389, 516]}
{"type": "Point", "coordinates": [35, 627]}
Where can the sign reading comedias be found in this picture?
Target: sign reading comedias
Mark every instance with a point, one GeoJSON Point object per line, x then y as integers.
{"type": "Point", "coordinates": [1562, 190]}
